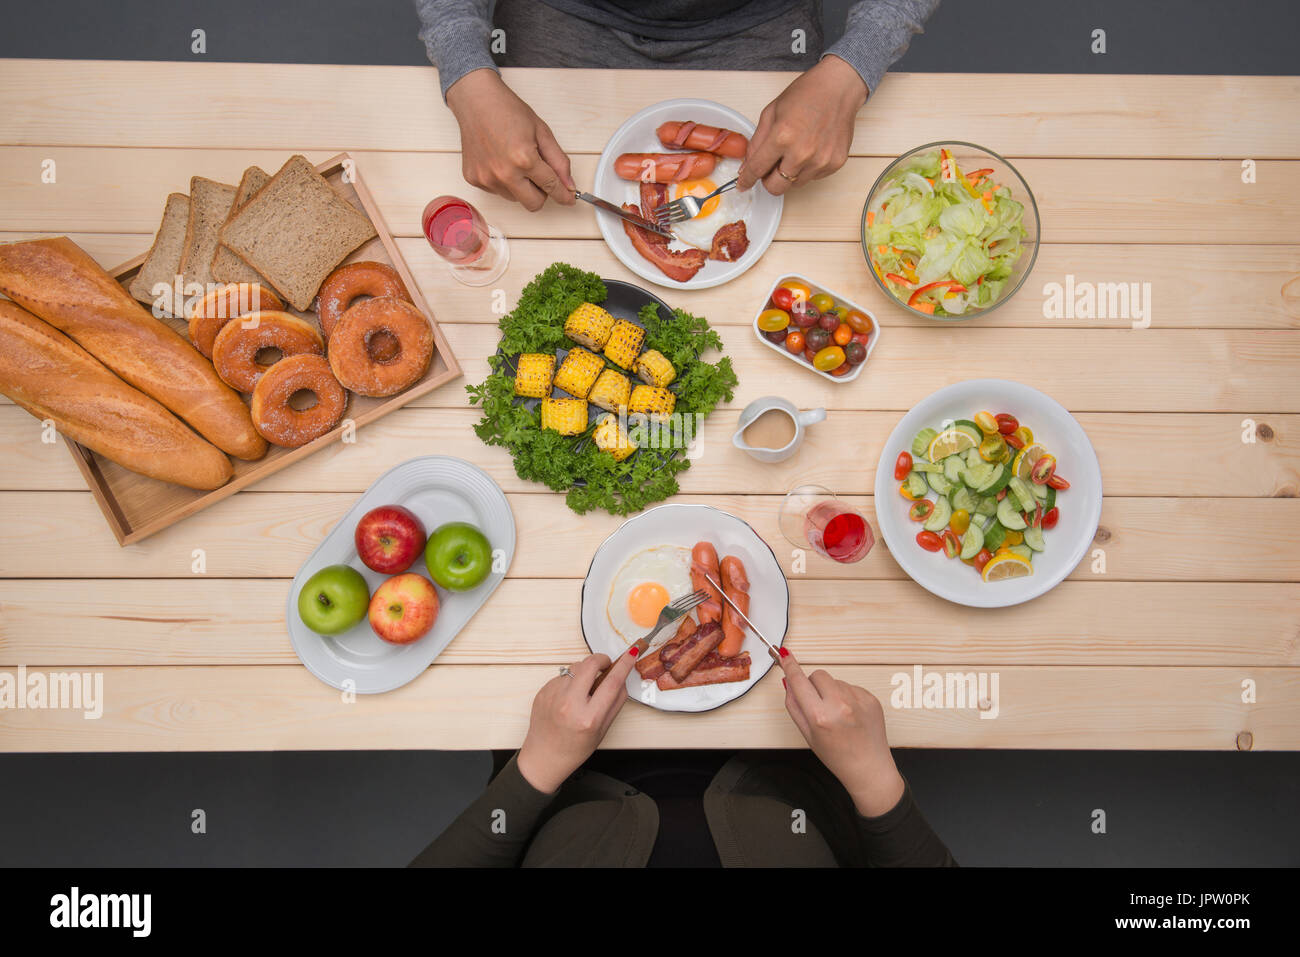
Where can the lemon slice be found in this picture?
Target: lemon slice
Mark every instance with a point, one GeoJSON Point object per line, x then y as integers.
{"type": "Point", "coordinates": [947, 442]}
{"type": "Point", "coordinates": [1026, 459]}
{"type": "Point", "coordinates": [1006, 565]}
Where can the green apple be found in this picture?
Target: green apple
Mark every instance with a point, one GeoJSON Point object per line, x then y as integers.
{"type": "Point", "coordinates": [458, 556]}
{"type": "Point", "coordinates": [333, 600]}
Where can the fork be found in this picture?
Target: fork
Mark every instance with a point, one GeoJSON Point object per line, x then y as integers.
{"type": "Point", "coordinates": [672, 611]}
{"type": "Point", "coordinates": [688, 207]}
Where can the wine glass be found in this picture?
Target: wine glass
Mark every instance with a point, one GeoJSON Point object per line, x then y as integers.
{"type": "Point", "coordinates": [812, 516]}
{"type": "Point", "coordinates": [475, 252]}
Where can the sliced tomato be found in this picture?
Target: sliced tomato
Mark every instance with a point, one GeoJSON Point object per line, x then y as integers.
{"type": "Point", "coordinates": [1007, 423]}
{"type": "Point", "coordinates": [1014, 441]}
{"type": "Point", "coordinates": [929, 541]}
{"type": "Point", "coordinates": [982, 559]}
{"type": "Point", "coordinates": [1058, 483]}
{"type": "Point", "coordinates": [902, 490]}
{"type": "Point", "coordinates": [1051, 517]}
{"type": "Point", "coordinates": [1043, 469]}
{"type": "Point", "coordinates": [951, 545]}
{"type": "Point", "coordinates": [1035, 520]}
{"type": "Point", "coordinates": [922, 510]}
{"type": "Point", "coordinates": [903, 465]}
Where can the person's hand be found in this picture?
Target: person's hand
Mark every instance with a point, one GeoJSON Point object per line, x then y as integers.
{"type": "Point", "coordinates": [505, 147]}
{"type": "Point", "coordinates": [845, 727]}
{"type": "Point", "coordinates": [568, 721]}
{"type": "Point", "coordinates": [805, 132]}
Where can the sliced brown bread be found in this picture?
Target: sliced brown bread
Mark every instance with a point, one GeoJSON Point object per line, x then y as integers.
{"type": "Point", "coordinates": [226, 266]}
{"type": "Point", "coordinates": [163, 261]}
{"type": "Point", "coordinates": [295, 230]}
{"type": "Point", "coordinates": [210, 204]}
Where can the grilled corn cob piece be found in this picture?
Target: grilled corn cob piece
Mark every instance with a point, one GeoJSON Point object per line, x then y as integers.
{"type": "Point", "coordinates": [578, 372]}
{"type": "Point", "coordinates": [611, 391]}
{"type": "Point", "coordinates": [653, 368]}
{"type": "Point", "coordinates": [534, 374]}
{"type": "Point", "coordinates": [589, 325]}
{"type": "Point", "coordinates": [566, 416]}
{"type": "Point", "coordinates": [652, 400]}
{"type": "Point", "coordinates": [612, 439]}
{"type": "Point", "coordinates": [625, 341]}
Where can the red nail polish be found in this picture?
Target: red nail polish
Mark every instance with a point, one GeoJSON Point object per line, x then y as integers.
{"type": "Point", "coordinates": [784, 685]}
{"type": "Point", "coordinates": [634, 651]}
{"type": "Point", "coordinates": [785, 652]}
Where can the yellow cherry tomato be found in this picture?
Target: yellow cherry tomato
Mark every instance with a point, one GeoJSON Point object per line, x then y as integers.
{"type": "Point", "coordinates": [799, 291]}
{"type": "Point", "coordinates": [902, 490]}
{"type": "Point", "coordinates": [1013, 537]}
{"type": "Point", "coordinates": [987, 422]}
{"type": "Point", "coordinates": [823, 302]}
{"type": "Point", "coordinates": [773, 320]}
{"type": "Point", "coordinates": [832, 357]}
{"type": "Point", "coordinates": [1024, 434]}
{"type": "Point", "coordinates": [992, 447]}
{"type": "Point", "coordinates": [960, 521]}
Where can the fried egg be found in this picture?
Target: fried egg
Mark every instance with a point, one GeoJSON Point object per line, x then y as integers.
{"type": "Point", "coordinates": [730, 207]}
{"type": "Point", "coordinates": [647, 581]}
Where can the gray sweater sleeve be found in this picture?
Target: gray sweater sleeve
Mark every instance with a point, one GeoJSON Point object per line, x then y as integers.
{"type": "Point", "coordinates": [457, 35]}
{"type": "Point", "coordinates": [876, 34]}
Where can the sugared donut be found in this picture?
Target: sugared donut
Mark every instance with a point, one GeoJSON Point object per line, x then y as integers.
{"type": "Point", "coordinates": [208, 315]}
{"type": "Point", "coordinates": [279, 422]}
{"type": "Point", "coordinates": [235, 351]}
{"type": "Point", "coordinates": [346, 284]}
{"type": "Point", "coordinates": [381, 346]}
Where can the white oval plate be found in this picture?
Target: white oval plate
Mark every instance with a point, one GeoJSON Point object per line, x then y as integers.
{"type": "Point", "coordinates": [438, 489]}
{"type": "Point", "coordinates": [1080, 505]}
{"type": "Point", "coordinates": [637, 135]}
{"type": "Point", "coordinates": [769, 596]}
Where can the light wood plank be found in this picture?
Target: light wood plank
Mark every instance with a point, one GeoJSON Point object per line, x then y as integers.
{"type": "Point", "coordinates": [269, 535]}
{"type": "Point", "coordinates": [1144, 455]}
{"type": "Point", "coordinates": [258, 709]}
{"type": "Point", "coordinates": [241, 621]}
{"type": "Point", "coordinates": [1080, 201]}
{"type": "Point", "coordinates": [387, 107]}
{"type": "Point", "coordinates": [1188, 291]}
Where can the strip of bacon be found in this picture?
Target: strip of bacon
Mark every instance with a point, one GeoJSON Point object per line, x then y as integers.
{"type": "Point", "coordinates": [679, 266]}
{"type": "Point", "coordinates": [653, 195]}
{"type": "Point", "coordinates": [711, 671]}
{"type": "Point", "coordinates": [694, 650]}
{"type": "Point", "coordinates": [651, 666]}
{"type": "Point", "coordinates": [730, 242]}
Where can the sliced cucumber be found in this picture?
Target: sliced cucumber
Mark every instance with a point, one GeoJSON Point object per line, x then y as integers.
{"type": "Point", "coordinates": [1023, 551]}
{"type": "Point", "coordinates": [987, 505]}
{"type": "Point", "coordinates": [994, 535]}
{"type": "Point", "coordinates": [920, 465]}
{"type": "Point", "coordinates": [938, 482]}
{"type": "Point", "coordinates": [1039, 491]}
{"type": "Point", "coordinates": [921, 444]}
{"type": "Point", "coordinates": [977, 476]}
{"type": "Point", "coordinates": [972, 541]}
{"type": "Point", "coordinates": [970, 428]}
{"type": "Point", "coordinates": [973, 458]}
{"type": "Point", "coordinates": [1034, 538]}
{"type": "Point", "coordinates": [952, 468]}
{"type": "Point", "coordinates": [917, 486]}
{"type": "Point", "coordinates": [1050, 502]}
{"type": "Point", "coordinates": [940, 516]}
{"type": "Point", "coordinates": [1000, 483]}
{"type": "Point", "coordinates": [1008, 515]}
{"type": "Point", "coordinates": [996, 474]}
{"type": "Point", "coordinates": [1021, 491]}
{"type": "Point", "coordinates": [962, 497]}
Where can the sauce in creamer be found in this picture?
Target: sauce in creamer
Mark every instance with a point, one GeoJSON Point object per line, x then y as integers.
{"type": "Point", "coordinates": [774, 429]}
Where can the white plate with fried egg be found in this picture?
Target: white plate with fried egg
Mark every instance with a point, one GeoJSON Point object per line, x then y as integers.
{"type": "Point", "coordinates": [646, 563]}
{"type": "Point", "coordinates": [759, 209]}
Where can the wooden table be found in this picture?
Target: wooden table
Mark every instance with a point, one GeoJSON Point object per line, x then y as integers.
{"type": "Point", "coordinates": [1138, 179]}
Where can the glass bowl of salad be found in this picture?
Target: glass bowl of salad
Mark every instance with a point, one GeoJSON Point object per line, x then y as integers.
{"type": "Point", "coordinates": [950, 230]}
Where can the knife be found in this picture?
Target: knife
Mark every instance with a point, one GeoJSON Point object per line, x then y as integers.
{"type": "Point", "coordinates": [771, 649]}
{"type": "Point", "coordinates": [623, 214]}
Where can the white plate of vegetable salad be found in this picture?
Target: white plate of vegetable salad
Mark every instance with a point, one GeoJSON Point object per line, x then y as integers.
{"type": "Point", "coordinates": [988, 493]}
{"type": "Point", "coordinates": [950, 230]}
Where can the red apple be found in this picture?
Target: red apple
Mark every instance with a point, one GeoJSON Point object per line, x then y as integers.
{"type": "Point", "coordinates": [389, 538]}
{"type": "Point", "coordinates": [404, 608]}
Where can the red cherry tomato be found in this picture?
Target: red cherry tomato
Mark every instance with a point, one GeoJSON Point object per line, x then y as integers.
{"type": "Point", "coordinates": [1036, 519]}
{"type": "Point", "coordinates": [1007, 423]}
{"type": "Point", "coordinates": [783, 298]}
{"type": "Point", "coordinates": [1058, 483]}
{"type": "Point", "coordinates": [982, 559]}
{"type": "Point", "coordinates": [809, 355]}
{"type": "Point", "coordinates": [862, 337]}
{"type": "Point", "coordinates": [1043, 469]}
{"type": "Point", "coordinates": [951, 546]}
{"type": "Point", "coordinates": [843, 369]}
{"type": "Point", "coordinates": [794, 342]}
{"type": "Point", "coordinates": [842, 335]}
{"type": "Point", "coordinates": [922, 510]}
{"type": "Point", "coordinates": [903, 465]}
{"type": "Point", "coordinates": [1014, 441]}
{"type": "Point", "coordinates": [1051, 518]}
{"type": "Point", "coordinates": [929, 541]}
{"type": "Point", "coordinates": [860, 322]}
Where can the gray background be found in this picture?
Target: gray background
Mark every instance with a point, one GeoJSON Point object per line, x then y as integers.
{"type": "Point", "coordinates": [380, 808]}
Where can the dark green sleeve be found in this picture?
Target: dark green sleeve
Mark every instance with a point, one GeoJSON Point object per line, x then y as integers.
{"type": "Point", "coordinates": [901, 837]}
{"type": "Point", "coordinates": [495, 830]}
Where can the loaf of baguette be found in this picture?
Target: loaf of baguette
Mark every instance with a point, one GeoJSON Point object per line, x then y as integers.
{"type": "Point", "coordinates": [60, 283]}
{"type": "Point", "coordinates": [53, 378]}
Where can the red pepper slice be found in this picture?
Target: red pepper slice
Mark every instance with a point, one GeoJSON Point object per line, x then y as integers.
{"type": "Point", "coordinates": [901, 280]}
{"type": "Point", "coordinates": [949, 284]}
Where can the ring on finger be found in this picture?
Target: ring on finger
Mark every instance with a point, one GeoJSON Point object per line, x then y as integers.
{"type": "Point", "coordinates": [566, 673]}
{"type": "Point", "coordinates": [789, 179]}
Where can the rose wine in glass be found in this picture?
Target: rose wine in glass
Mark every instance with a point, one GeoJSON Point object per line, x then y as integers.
{"type": "Point", "coordinates": [813, 516]}
{"type": "Point", "coordinates": [475, 252]}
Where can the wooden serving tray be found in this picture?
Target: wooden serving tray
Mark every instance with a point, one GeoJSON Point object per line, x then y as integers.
{"type": "Point", "coordinates": [137, 506]}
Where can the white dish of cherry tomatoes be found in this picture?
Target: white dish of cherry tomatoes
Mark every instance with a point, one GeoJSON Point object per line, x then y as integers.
{"type": "Point", "coordinates": [1079, 509]}
{"type": "Point", "coordinates": [797, 309]}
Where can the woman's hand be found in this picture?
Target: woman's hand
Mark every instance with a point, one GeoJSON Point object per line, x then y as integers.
{"type": "Point", "coordinates": [568, 721]}
{"type": "Point", "coordinates": [845, 727]}
{"type": "Point", "coordinates": [506, 149]}
{"type": "Point", "coordinates": [805, 132]}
